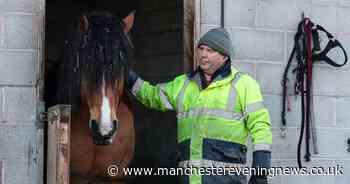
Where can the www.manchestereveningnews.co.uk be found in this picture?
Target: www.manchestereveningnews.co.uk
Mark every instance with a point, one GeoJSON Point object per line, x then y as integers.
{"type": "Point", "coordinates": [114, 170]}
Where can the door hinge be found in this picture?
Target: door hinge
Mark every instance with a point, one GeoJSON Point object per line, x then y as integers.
{"type": "Point", "coordinates": [48, 116]}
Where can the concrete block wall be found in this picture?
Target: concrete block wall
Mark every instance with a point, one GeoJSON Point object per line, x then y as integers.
{"type": "Point", "coordinates": [21, 35]}
{"type": "Point", "coordinates": [262, 32]}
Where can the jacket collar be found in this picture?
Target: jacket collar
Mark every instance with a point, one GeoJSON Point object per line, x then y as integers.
{"type": "Point", "coordinates": [221, 73]}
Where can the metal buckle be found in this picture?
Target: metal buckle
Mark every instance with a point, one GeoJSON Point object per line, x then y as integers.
{"type": "Point", "coordinates": [283, 131]}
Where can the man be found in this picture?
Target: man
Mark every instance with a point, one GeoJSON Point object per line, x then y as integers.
{"type": "Point", "coordinates": [217, 107]}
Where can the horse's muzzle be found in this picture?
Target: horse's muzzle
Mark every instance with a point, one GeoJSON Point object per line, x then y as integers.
{"type": "Point", "coordinates": [100, 139]}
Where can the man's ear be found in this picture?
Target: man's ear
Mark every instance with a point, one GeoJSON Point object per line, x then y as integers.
{"type": "Point", "coordinates": [129, 21]}
{"type": "Point", "coordinates": [226, 58]}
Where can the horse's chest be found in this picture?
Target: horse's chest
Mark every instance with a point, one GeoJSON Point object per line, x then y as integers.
{"type": "Point", "coordinates": [82, 152]}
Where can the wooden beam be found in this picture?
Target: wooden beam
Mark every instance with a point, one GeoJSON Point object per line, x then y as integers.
{"type": "Point", "coordinates": [188, 34]}
{"type": "Point", "coordinates": [191, 33]}
{"type": "Point", "coordinates": [58, 144]}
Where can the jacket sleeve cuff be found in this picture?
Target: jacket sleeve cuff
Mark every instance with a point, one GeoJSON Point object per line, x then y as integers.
{"type": "Point", "coordinates": [262, 159]}
{"type": "Point", "coordinates": [132, 78]}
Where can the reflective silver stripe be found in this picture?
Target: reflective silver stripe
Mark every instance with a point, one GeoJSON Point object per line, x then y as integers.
{"type": "Point", "coordinates": [254, 107]}
{"type": "Point", "coordinates": [164, 98]}
{"type": "Point", "coordinates": [211, 112]}
{"type": "Point", "coordinates": [262, 147]}
{"type": "Point", "coordinates": [180, 98]}
{"type": "Point", "coordinates": [207, 163]}
{"type": "Point", "coordinates": [231, 101]}
{"type": "Point", "coordinates": [137, 86]}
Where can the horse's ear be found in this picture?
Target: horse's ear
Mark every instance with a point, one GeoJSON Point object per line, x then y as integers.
{"type": "Point", "coordinates": [129, 21]}
{"type": "Point", "coordinates": [83, 23]}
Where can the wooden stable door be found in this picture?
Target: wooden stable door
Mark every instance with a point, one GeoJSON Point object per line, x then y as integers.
{"type": "Point", "coordinates": [59, 118]}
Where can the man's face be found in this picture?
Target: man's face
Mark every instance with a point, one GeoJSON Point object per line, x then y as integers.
{"type": "Point", "coordinates": [209, 59]}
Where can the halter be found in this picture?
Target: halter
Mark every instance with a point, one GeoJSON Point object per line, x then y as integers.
{"type": "Point", "coordinates": [308, 51]}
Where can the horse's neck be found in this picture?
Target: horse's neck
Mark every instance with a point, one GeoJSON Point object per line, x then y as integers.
{"type": "Point", "coordinates": [127, 99]}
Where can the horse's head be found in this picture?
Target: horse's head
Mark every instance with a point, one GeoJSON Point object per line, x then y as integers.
{"type": "Point", "coordinates": [98, 54]}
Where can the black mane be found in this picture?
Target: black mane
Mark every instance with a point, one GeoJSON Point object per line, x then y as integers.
{"type": "Point", "coordinates": [88, 56]}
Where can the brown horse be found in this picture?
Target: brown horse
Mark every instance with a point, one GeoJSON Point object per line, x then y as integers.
{"type": "Point", "coordinates": [96, 55]}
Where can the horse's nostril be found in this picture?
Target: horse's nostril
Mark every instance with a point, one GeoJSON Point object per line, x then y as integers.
{"type": "Point", "coordinates": [93, 125]}
{"type": "Point", "coordinates": [115, 124]}
{"type": "Point", "coordinates": [101, 135]}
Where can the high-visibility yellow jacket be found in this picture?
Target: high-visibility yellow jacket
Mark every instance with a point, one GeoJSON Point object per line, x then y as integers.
{"type": "Point", "coordinates": [213, 123]}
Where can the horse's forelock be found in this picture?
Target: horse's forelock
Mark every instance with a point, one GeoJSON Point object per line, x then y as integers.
{"type": "Point", "coordinates": [105, 54]}
{"type": "Point", "coordinates": [97, 48]}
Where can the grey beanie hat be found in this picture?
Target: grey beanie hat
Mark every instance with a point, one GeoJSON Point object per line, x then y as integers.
{"type": "Point", "coordinates": [219, 40]}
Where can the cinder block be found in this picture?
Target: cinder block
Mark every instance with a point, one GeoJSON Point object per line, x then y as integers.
{"type": "Point", "coordinates": [15, 141]}
{"type": "Point", "coordinates": [343, 165]}
{"type": "Point", "coordinates": [343, 82]}
{"type": "Point", "coordinates": [27, 6]}
{"type": "Point", "coordinates": [258, 45]}
{"type": "Point", "coordinates": [280, 14]}
{"type": "Point", "coordinates": [325, 80]}
{"type": "Point", "coordinates": [332, 143]}
{"type": "Point", "coordinates": [325, 111]}
{"type": "Point", "coordinates": [343, 115]}
{"type": "Point", "coordinates": [344, 2]}
{"type": "Point", "coordinates": [293, 114]}
{"type": "Point", "coordinates": [16, 171]}
{"type": "Point", "coordinates": [240, 13]}
{"type": "Point", "coordinates": [303, 1]}
{"type": "Point", "coordinates": [21, 151]}
{"type": "Point", "coordinates": [210, 11]}
{"type": "Point", "coordinates": [284, 148]}
{"type": "Point", "coordinates": [273, 104]}
{"type": "Point", "coordinates": [18, 68]}
{"type": "Point", "coordinates": [21, 32]}
{"type": "Point", "coordinates": [303, 179]}
{"type": "Point", "coordinates": [2, 3]}
{"type": "Point", "coordinates": [245, 67]}
{"type": "Point", "coordinates": [206, 27]}
{"type": "Point", "coordinates": [325, 2]}
{"type": "Point", "coordinates": [270, 77]}
{"type": "Point", "coordinates": [20, 104]}
{"type": "Point", "coordinates": [343, 16]}
{"type": "Point", "coordinates": [325, 16]}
